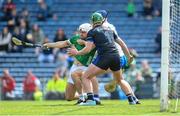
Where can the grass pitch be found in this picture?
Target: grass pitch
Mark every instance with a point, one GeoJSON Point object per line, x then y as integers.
{"type": "Point", "coordinates": [108, 107]}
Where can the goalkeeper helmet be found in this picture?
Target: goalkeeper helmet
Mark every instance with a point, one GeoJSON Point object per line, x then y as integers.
{"type": "Point", "coordinates": [97, 19]}
{"type": "Point", "coordinates": [85, 27]}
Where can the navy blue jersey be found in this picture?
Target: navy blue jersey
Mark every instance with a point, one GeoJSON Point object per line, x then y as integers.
{"type": "Point", "coordinates": [104, 40]}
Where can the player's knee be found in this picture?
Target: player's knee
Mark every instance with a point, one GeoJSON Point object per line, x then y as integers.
{"type": "Point", "coordinates": [86, 76]}
{"type": "Point", "coordinates": [74, 74]}
{"type": "Point", "coordinates": [119, 80]}
{"type": "Point", "coordinates": [68, 97]}
{"type": "Point", "coordinates": [75, 77]}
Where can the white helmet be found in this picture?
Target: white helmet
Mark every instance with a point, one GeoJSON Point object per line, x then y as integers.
{"type": "Point", "coordinates": [85, 27]}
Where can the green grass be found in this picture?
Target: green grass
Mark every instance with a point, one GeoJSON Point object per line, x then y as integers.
{"type": "Point", "coordinates": [109, 107]}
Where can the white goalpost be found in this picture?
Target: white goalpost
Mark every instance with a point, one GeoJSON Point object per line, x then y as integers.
{"type": "Point", "coordinates": [170, 56]}
{"type": "Point", "coordinates": [165, 55]}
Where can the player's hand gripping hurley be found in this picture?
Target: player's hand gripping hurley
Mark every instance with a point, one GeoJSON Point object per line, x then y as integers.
{"type": "Point", "coordinates": [18, 42]}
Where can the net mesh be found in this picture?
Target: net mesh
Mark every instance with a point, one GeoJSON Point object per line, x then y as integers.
{"type": "Point", "coordinates": [174, 55]}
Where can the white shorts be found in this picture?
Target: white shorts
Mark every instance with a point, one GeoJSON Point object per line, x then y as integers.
{"type": "Point", "coordinates": [74, 68]}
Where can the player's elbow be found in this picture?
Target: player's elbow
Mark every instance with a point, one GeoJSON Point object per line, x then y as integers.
{"type": "Point", "coordinates": [84, 51]}
{"type": "Point", "coordinates": [89, 48]}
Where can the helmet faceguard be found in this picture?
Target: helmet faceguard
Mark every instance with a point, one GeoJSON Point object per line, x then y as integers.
{"type": "Point", "coordinates": [97, 19]}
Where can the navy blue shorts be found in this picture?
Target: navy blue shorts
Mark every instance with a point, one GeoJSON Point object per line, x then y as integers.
{"type": "Point", "coordinates": [114, 62]}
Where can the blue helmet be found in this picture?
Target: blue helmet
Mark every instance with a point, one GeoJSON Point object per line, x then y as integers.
{"type": "Point", "coordinates": [104, 13]}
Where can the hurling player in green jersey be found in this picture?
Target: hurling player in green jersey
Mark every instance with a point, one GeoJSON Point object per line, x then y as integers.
{"type": "Point", "coordinates": [80, 65]}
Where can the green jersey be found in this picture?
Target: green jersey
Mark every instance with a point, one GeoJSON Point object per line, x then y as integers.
{"type": "Point", "coordinates": [85, 59]}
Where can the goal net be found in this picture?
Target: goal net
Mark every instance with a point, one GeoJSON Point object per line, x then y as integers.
{"type": "Point", "coordinates": [174, 55]}
{"type": "Point", "coordinates": [170, 56]}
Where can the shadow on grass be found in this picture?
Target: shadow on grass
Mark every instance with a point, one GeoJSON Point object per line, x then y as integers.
{"type": "Point", "coordinates": [55, 105]}
{"type": "Point", "coordinates": [60, 105]}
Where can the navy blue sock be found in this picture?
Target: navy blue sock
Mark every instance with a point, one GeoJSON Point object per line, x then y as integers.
{"type": "Point", "coordinates": [96, 97]}
{"type": "Point", "coordinates": [130, 97]}
{"type": "Point", "coordinates": [90, 96]}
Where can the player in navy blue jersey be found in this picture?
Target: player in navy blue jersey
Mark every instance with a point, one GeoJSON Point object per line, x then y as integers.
{"type": "Point", "coordinates": [123, 58]}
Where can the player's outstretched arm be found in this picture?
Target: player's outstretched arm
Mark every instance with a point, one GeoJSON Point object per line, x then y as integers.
{"type": "Point", "coordinates": [88, 47]}
{"type": "Point", "coordinates": [60, 44]}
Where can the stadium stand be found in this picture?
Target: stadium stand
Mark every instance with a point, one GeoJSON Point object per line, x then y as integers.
{"type": "Point", "coordinates": [137, 32]}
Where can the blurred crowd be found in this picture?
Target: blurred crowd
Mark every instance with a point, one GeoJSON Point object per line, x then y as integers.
{"type": "Point", "coordinates": [151, 8]}
{"type": "Point", "coordinates": [32, 87]}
